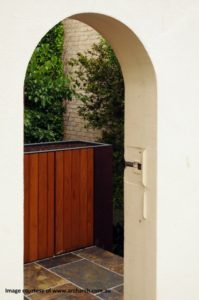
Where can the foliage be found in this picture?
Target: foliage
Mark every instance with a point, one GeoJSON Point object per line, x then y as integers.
{"type": "Point", "coordinates": [100, 86]}
{"type": "Point", "coordinates": [45, 87]}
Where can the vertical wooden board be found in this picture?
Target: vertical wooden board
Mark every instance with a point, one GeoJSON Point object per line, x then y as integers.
{"type": "Point", "coordinates": [83, 198]}
{"type": "Point", "coordinates": [42, 206]}
{"type": "Point", "coordinates": [26, 208]}
{"type": "Point", "coordinates": [103, 207]}
{"type": "Point", "coordinates": [33, 207]}
{"type": "Point", "coordinates": [90, 198]}
{"type": "Point", "coordinates": [51, 207]}
{"type": "Point", "coordinates": [59, 245]}
{"type": "Point", "coordinates": [75, 186]}
{"type": "Point", "coordinates": [67, 202]}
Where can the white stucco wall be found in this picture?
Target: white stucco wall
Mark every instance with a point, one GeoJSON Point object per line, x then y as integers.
{"type": "Point", "coordinates": [169, 32]}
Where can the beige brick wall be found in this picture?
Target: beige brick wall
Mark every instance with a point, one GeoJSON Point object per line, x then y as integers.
{"type": "Point", "coordinates": [78, 37]}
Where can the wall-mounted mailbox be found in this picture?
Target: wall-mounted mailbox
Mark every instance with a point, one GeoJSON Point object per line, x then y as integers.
{"type": "Point", "coordinates": [135, 161]}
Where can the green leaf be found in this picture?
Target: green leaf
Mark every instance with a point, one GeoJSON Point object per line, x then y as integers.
{"type": "Point", "coordinates": [46, 85]}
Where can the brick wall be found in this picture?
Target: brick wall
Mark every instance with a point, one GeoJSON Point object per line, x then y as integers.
{"type": "Point", "coordinates": [78, 37]}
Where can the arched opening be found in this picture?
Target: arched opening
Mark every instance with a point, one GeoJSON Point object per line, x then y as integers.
{"type": "Point", "coordinates": [140, 154]}
{"type": "Point", "coordinates": [140, 136]}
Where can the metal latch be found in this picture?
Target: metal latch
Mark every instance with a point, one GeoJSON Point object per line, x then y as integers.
{"type": "Point", "coordinates": [134, 164]}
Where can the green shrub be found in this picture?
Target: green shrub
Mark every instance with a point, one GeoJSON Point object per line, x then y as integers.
{"type": "Point", "coordinates": [99, 84]}
{"type": "Point", "coordinates": [45, 87]}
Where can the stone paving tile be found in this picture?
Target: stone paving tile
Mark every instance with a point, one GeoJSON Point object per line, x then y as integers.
{"type": "Point", "coordinates": [89, 275]}
{"type": "Point", "coordinates": [84, 273]}
{"type": "Point", "coordinates": [102, 257]}
{"type": "Point", "coordinates": [110, 296]}
{"type": "Point", "coordinates": [36, 277]}
{"type": "Point", "coordinates": [67, 291]}
{"type": "Point", "coordinates": [119, 289]}
{"type": "Point", "coordinates": [58, 260]}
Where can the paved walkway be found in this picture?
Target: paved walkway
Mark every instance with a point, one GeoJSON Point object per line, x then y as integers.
{"type": "Point", "coordinates": [87, 274]}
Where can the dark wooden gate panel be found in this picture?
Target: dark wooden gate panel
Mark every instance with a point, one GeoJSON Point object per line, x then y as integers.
{"type": "Point", "coordinates": [103, 198]}
{"type": "Point", "coordinates": [74, 199]}
{"type": "Point", "coordinates": [39, 206]}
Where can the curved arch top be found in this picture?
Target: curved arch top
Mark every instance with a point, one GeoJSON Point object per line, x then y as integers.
{"type": "Point", "coordinates": [122, 39]}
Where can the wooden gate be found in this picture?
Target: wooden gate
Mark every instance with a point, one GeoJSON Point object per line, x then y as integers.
{"type": "Point", "coordinates": [59, 200]}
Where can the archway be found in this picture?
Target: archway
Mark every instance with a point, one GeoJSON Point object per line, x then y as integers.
{"type": "Point", "coordinates": [140, 136]}
{"type": "Point", "coordinates": [140, 154]}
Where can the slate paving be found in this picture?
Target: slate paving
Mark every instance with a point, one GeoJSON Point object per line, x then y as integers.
{"type": "Point", "coordinates": [58, 260]}
{"type": "Point", "coordinates": [102, 257]}
{"type": "Point", "coordinates": [119, 289]}
{"type": "Point", "coordinates": [36, 277]}
{"type": "Point", "coordinates": [87, 274]}
{"type": "Point", "coordinates": [110, 296]}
